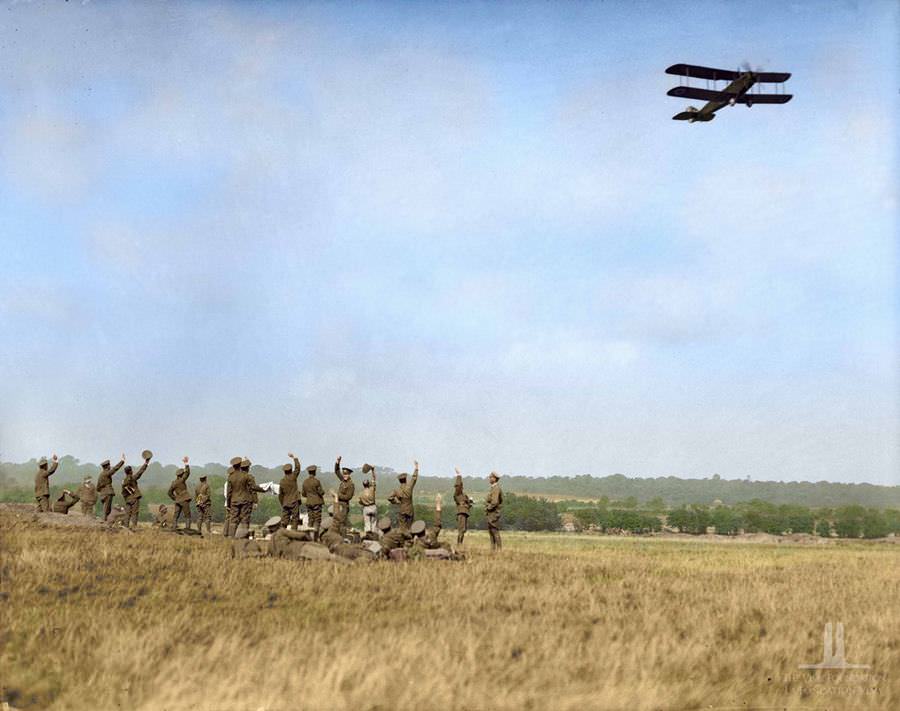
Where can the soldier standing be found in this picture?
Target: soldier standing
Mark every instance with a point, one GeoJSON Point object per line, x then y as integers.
{"type": "Point", "coordinates": [204, 504]}
{"type": "Point", "coordinates": [463, 507]}
{"type": "Point", "coordinates": [42, 483]}
{"type": "Point", "coordinates": [131, 492]}
{"type": "Point", "coordinates": [104, 485]}
{"type": "Point", "coordinates": [344, 496]}
{"type": "Point", "coordinates": [289, 494]}
{"type": "Point", "coordinates": [367, 501]}
{"type": "Point", "coordinates": [403, 497]}
{"type": "Point", "coordinates": [242, 499]}
{"type": "Point", "coordinates": [252, 487]}
{"type": "Point", "coordinates": [61, 505]}
{"type": "Point", "coordinates": [492, 505]}
{"type": "Point", "coordinates": [315, 497]}
{"type": "Point", "coordinates": [88, 495]}
{"type": "Point", "coordinates": [179, 493]}
{"type": "Point", "coordinates": [230, 518]}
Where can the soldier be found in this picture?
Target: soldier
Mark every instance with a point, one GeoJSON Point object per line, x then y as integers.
{"type": "Point", "coordinates": [117, 516]}
{"type": "Point", "coordinates": [204, 505]}
{"type": "Point", "coordinates": [242, 498]}
{"type": "Point", "coordinates": [393, 537]}
{"type": "Point", "coordinates": [315, 497]}
{"type": "Point", "coordinates": [61, 505]}
{"type": "Point", "coordinates": [104, 484]}
{"type": "Point", "coordinates": [131, 492]}
{"type": "Point", "coordinates": [344, 496]}
{"type": "Point", "coordinates": [403, 497]}
{"type": "Point", "coordinates": [369, 507]}
{"type": "Point", "coordinates": [161, 520]}
{"type": "Point", "coordinates": [463, 507]}
{"type": "Point", "coordinates": [253, 488]}
{"type": "Point", "coordinates": [492, 505]}
{"type": "Point", "coordinates": [42, 483]}
{"type": "Point", "coordinates": [88, 495]}
{"type": "Point", "coordinates": [332, 538]}
{"type": "Point", "coordinates": [289, 494]}
{"type": "Point", "coordinates": [179, 493]}
{"type": "Point", "coordinates": [230, 518]}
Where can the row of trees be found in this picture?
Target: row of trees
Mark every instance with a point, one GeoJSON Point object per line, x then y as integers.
{"type": "Point", "coordinates": [654, 493]}
{"type": "Point", "coordinates": [528, 513]}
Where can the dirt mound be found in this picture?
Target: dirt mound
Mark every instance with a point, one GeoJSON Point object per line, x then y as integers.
{"type": "Point", "coordinates": [28, 512]}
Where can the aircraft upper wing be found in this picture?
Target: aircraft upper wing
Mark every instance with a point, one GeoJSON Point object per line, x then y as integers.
{"type": "Point", "coordinates": [773, 77]}
{"type": "Point", "coordinates": [764, 99]}
{"type": "Point", "coordinates": [695, 92]}
{"type": "Point", "coordinates": [691, 70]}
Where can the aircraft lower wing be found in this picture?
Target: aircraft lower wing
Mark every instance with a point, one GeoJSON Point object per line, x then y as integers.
{"type": "Point", "coordinates": [695, 92]}
{"type": "Point", "coordinates": [691, 70]}
{"type": "Point", "coordinates": [764, 99]}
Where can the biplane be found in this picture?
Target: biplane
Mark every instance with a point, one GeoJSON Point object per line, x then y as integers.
{"type": "Point", "coordinates": [738, 90]}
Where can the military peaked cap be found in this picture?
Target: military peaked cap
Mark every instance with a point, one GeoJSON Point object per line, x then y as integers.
{"type": "Point", "coordinates": [274, 521]}
{"type": "Point", "coordinates": [312, 468]}
{"type": "Point", "coordinates": [104, 463]}
{"type": "Point", "coordinates": [384, 523]}
{"type": "Point", "coordinates": [236, 461]}
{"type": "Point", "coordinates": [146, 454]}
{"type": "Point", "coordinates": [286, 467]}
{"type": "Point", "coordinates": [417, 528]}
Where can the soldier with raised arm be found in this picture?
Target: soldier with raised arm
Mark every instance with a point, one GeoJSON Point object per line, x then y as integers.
{"type": "Point", "coordinates": [42, 482]}
{"type": "Point", "coordinates": [289, 494]}
{"type": "Point", "coordinates": [367, 501]}
{"type": "Point", "coordinates": [104, 485]}
{"type": "Point", "coordinates": [315, 497]}
{"type": "Point", "coordinates": [88, 495]}
{"type": "Point", "coordinates": [344, 497]}
{"type": "Point", "coordinates": [402, 496]}
{"type": "Point", "coordinates": [492, 505]}
{"type": "Point", "coordinates": [66, 501]}
{"type": "Point", "coordinates": [203, 500]}
{"type": "Point", "coordinates": [178, 492]}
{"type": "Point", "coordinates": [463, 508]}
{"type": "Point", "coordinates": [131, 492]}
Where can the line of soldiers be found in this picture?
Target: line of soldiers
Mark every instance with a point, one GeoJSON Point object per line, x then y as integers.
{"type": "Point", "coordinates": [242, 495]}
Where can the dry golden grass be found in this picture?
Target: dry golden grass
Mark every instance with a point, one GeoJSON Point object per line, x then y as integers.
{"type": "Point", "coordinates": [155, 621]}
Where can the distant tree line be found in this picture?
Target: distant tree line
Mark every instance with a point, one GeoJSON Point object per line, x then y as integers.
{"type": "Point", "coordinates": [670, 490]}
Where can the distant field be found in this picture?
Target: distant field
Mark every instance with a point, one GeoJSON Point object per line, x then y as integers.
{"type": "Point", "coordinates": [93, 620]}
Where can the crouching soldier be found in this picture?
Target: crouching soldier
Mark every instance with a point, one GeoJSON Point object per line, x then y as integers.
{"type": "Point", "coordinates": [332, 538]}
{"type": "Point", "coordinates": [88, 495]}
{"type": "Point", "coordinates": [295, 545]}
{"type": "Point", "coordinates": [161, 520]}
{"type": "Point", "coordinates": [65, 502]}
{"type": "Point", "coordinates": [42, 483]}
{"type": "Point", "coordinates": [394, 540]}
{"type": "Point", "coordinates": [117, 517]}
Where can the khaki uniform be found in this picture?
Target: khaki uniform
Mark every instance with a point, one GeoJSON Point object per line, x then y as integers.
{"type": "Point", "coordinates": [117, 517]}
{"type": "Point", "coordinates": [403, 497]}
{"type": "Point", "coordinates": [105, 488]}
{"type": "Point", "coordinates": [492, 505]}
{"type": "Point", "coordinates": [314, 495]}
{"type": "Point", "coordinates": [88, 495]}
{"type": "Point", "coordinates": [230, 510]}
{"type": "Point", "coordinates": [289, 497]}
{"type": "Point", "coordinates": [163, 518]}
{"type": "Point", "coordinates": [42, 485]}
{"type": "Point", "coordinates": [284, 545]}
{"type": "Point", "coordinates": [463, 508]}
{"type": "Point", "coordinates": [249, 548]}
{"type": "Point", "coordinates": [204, 506]}
{"type": "Point", "coordinates": [345, 496]}
{"type": "Point", "coordinates": [396, 538]}
{"type": "Point", "coordinates": [131, 492]}
{"type": "Point", "coordinates": [179, 493]}
{"type": "Point", "coordinates": [245, 490]}
{"type": "Point", "coordinates": [61, 505]}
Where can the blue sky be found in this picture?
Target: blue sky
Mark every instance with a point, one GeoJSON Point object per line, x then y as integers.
{"type": "Point", "coordinates": [467, 233]}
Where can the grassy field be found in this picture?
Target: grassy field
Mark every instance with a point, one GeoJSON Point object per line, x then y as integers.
{"type": "Point", "coordinates": [93, 620]}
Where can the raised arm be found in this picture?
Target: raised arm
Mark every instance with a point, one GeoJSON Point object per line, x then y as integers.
{"type": "Point", "coordinates": [141, 470]}
{"type": "Point", "coordinates": [53, 465]}
{"type": "Point", "coordinates": [415, 476]}
{"type": "Point", "coordinates": [187, 468]}
{"type": "Point", "coordinates": [337, 468]}
{"type": "Point", "coordinates": [296, 463]}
